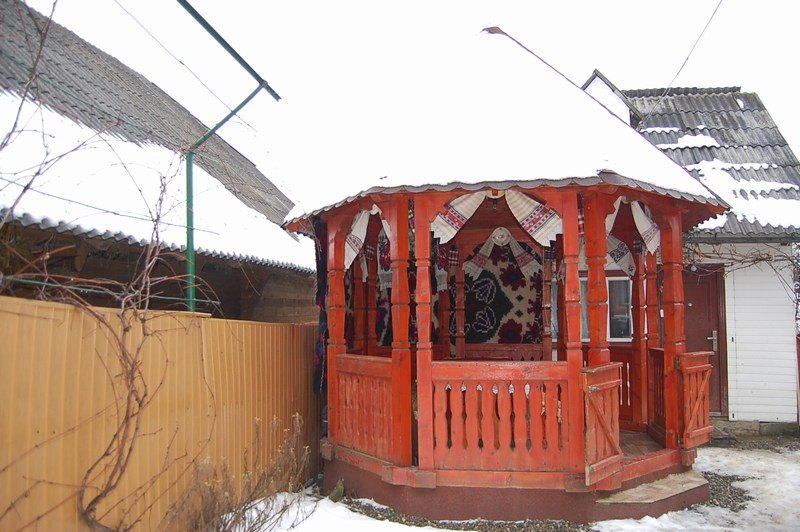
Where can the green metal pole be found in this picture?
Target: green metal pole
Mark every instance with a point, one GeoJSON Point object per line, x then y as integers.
{"type": "Point", "coordinates": [190, 260]}
{"type": "Point", "coordinates": [191, 297]}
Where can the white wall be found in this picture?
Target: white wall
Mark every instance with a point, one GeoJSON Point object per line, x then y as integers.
{"type": "Point", "coordinates": [762, 353]}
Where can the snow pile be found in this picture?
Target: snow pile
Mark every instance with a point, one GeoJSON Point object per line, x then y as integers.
{"type": "Point", "coordinates": [773, 483]}
{"type": "Point", "coordinates": [692, 141]}
{"type": "Point", "coordinates": [745, 196]}
{"type": "Point", "coordinates": [100, 182]}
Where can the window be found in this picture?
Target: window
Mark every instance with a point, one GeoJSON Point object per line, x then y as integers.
{"type": "Point", "coordinates": [619, 309]}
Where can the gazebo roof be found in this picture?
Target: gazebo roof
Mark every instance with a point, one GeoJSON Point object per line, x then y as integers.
{"type": "Point", "coordinates": [476, 110]}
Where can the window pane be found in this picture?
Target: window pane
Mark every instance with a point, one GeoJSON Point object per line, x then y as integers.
{"type": "Point", "coordinates": [619, 305]}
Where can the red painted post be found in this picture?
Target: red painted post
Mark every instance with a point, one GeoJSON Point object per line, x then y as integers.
{"type": "Point", "coordinates": [337, 230]}
{"type": "Point", "coordinates": [422, 254]}
{"type": "Point", "coordinates": [674, 335]}
{"type": "Point", "coordinates": [396, 213]}
{"type": "Point", "coordinates": [572, 329]}
{"type": "Point", "coordinates": [639, 341]}
{"type": "Point", "coordinates": [595, 208]}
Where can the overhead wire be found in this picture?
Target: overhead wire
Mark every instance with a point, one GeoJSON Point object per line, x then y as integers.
{"type": "Point", "coordinates": [184, 65]}
{"type": "Point", "coordinates": [685, 61]}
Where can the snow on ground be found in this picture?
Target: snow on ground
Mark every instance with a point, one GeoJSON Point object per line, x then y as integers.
{"type": "Point", "coordinates": [772, 481]}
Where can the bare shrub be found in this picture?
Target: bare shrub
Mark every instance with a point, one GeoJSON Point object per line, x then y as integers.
{"type": "Point", "coordinates": [268, 494]}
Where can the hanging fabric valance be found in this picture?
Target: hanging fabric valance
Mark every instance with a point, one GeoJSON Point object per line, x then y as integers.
{"type": "Point", "coordinates": [354, 240]}
{"type": "Point", "coordinates": [501, 237]}
{"type": "Point", "coordinates": [642, 218]}
{"type": "Point", "coordinates": [445, 226]}
{"type": "Point", "coordinates": [620, 254]}
{"type": "Point", "coordinates": [541, 223]}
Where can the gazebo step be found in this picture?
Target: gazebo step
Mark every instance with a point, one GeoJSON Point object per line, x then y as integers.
{"type": "Point", "coordinates": [677, 485]}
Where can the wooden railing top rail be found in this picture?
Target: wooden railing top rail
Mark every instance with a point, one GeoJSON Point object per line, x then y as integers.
{"type": "Point", "coordinates": [364, 365]}
{"type": "Point", "coordinates": [697, 356]}
{"type": "Point", "coordinates": [495, 370]}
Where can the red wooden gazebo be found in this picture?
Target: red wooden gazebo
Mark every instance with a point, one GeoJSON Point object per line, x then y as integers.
{"type": "Point", "coordinates": [507, 347]}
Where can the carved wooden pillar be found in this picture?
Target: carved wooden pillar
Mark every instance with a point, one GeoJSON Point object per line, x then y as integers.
{"type": "Point", "coordinates": [423, 298]}
{"type": "Point", "coordinates": [560, 316]}
{"type": "Point", "coordinates": [595, 208]}
{"type": "Point", "coordinates": [653, 314]}
{"type": "Point", "coordinates": [639, 341]}
{"type": "Point", "coordinates": [396, 213]}
{"type": "Point", "coordinates": [547, 307]}
{"type": "Point", "coordinates": [572, 327]}
{"type": "Point", "coordinates": [337, 308]}
{"type": "Point", "coordinates": [674, 335]}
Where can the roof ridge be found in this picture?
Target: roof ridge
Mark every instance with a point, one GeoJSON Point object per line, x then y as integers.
{"type": "Point", "coordinates": [679, 91]}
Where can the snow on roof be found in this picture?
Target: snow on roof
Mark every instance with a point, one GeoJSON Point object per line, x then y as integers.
{"type": "Point", "coordinates": [727, 138]}
{"type": "Point", "coordinates": [461, 108]}
{"type": "Point", "coordinates": [90, 86]}
{"type": "Point", "coordinates": [103, 183]}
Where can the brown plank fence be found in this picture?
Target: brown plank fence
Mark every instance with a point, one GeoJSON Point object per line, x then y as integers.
{"type": "Point", "coordinates": [210, 379]}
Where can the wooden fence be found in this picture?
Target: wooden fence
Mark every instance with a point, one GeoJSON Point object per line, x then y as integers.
{"type": "Point", "coordinates": [209, 380]}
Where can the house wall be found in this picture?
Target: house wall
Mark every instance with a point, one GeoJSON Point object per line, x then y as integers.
{"type": "Point", "coordinates": [762, 351]}
{"type": "Point", "coordinates": [280, 296]}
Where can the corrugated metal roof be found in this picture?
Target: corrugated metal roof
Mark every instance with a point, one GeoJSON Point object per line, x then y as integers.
{"type": "Point", "coordinates": [92, 88]}
{"type": "Point", "coordinates": [26, 220]}
{"type": "Point", "coordinates": [750, 148]}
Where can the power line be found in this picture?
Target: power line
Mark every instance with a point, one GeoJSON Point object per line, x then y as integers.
{"type": "Point", "coordinates": [184, 65]}
{"type": "Point", "coordinates": [132, 216]}
{"type": "Point", "coordinates": [666, 91]}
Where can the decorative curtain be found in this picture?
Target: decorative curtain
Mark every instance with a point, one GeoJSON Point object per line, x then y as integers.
{"type": "Point", "coordinates": [501, 237]}
{"type": "Point", "coordinates": [646, 227]}
{"type": "Point", "coordinates": [445, 226]}
{"type": "Point", "coordinates": [354, 240]}
{"type": "Point", "coordinates": [541, 223]}
{"type": "Point", "coordinates": [618, 252]}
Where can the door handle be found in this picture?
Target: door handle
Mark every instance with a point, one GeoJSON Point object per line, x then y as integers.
{"type": "Point", "coordinates": [714, 340]}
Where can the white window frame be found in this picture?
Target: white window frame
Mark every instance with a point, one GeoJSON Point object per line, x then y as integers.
{"type": "Point", "coordinates": [584, 282]}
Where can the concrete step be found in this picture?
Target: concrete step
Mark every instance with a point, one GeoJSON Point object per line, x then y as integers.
{"type": "Point", "coordinates": [675, 485]}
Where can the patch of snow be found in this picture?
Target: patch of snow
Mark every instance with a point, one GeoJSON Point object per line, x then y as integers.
{"type": "Point", "coordinates": [748, 205]}
{"type": "Point", "coordinates": [661, 130]}
{"type": "Point", "coordinates": [740, 103]}
{"type": "Point", "coordinates": [104, 183]}
{"type": "Point", "coordinates": [455, 106]}
{"type": "Point", "coordinates": [773, 481]}
{"type": "Point", "coordinates": [692, 141]}
{"type": "Point", "coordinates": [716, 164]}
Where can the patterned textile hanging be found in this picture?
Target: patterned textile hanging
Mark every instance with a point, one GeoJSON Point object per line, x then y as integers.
{"type": "Point", "coordinates": [646, 227]}
{"type": "Point", "coordinates": [619, 252]}
{"type": "Point", "coordinates": [445, 226]}
{"type": "Point", "coordinates": [441, 266]}
{"type": "Point", "coordinates": [541, 223]}
{"type": "Point", "coordinates": [321, 234]}
{"type": "Point", "coordinates": [354, 240]}
{"type": "Point", "coordinates": [611, 218]}
{"type": "Point", "coordinates": [501, 237]}
{"type": "Point", "coordinates": [384, 261]}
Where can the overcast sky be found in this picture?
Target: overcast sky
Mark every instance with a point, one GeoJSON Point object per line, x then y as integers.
{"type": "Point", "coordinates": [320, 53]}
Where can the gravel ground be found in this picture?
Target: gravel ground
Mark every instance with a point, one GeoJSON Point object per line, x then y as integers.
{"type": "Point", "coordinates": [723, 494]}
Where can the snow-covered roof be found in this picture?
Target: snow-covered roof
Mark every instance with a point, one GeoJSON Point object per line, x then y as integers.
{"type": "Point", "coordinates": [98, 184]}
{"type": "Point", "coordinates": [86, 84]}
{"type": "Point", "coordinates": [469, 110]}
{"type": "Point", "coordinates": [728, 139]}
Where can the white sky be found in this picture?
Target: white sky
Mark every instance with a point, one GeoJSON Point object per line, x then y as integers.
{"type": "Point", "coordinates": [321, 54]}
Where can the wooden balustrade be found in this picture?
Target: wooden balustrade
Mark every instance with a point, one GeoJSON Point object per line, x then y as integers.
{"type": "Point", "coordinates": [601, 388]}
{"type": "Point", "coordinates": [656, 404]}
{"type": "Point", "coordinates": [628, 383]}
{"type": "Point", "coordinates": [695, 373]}
{"type": "Point", "coordinates": [500, 416]}
{"type": "Point", "coordinates": [364, 403]}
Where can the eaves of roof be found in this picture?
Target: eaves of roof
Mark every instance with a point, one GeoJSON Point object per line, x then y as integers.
{"type": "Point", "coordinates": [26, 220]}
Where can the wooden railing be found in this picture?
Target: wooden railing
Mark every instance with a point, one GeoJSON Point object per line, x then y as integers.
{"type": "Point", "coordinates": [500, 416]}
{"type": "Point", "coordinates": [624, 356]}
{"type": "Point", "coordinates": [695, 373]}
{"type": "Point", "coordinates": [656, 404]}
{"type": "Point", "coordinates": [364, 404]}
{"type": "Point", "coordinates": [601, 385]}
